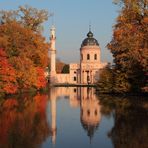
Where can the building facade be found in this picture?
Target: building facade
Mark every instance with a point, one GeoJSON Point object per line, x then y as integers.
{"type": "Point", "coordinates": [85, 72]}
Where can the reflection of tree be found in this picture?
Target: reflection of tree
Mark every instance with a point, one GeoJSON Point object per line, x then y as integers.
{"type": "Point", "coordinates": [131, 121]}
{"type": "Point", "coordinates": [23, 123]}
{"type": "Point", "coordinates": [110, 103]}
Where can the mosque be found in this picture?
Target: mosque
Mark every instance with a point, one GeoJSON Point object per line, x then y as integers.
{"type": "Point", "coordinates": [85, 72]}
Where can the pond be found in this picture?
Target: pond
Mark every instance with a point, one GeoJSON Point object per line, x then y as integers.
{"type": "Point", "coordinates": [73, 117]}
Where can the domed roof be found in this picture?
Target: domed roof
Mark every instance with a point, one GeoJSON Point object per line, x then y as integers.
{"type": "Point", "coordinates": [90, 40]}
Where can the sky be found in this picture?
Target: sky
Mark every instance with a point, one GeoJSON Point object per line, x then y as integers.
{"type": "Point", "coordinates": [72, 19]}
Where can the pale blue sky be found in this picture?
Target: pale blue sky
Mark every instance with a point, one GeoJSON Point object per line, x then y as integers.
{"type": "Point", "coordinates": [72, 19]}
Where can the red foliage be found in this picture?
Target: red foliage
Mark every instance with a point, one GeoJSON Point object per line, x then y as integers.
{"type": "Point", "coordinates": [19, 124]}
{"type": "Point", "coordinates": [41, 80]}
{"type": "Point", "coordinates": [7, 75]}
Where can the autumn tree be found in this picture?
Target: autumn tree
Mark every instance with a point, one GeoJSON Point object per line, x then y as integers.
{"type": "Point", "coordinates": [129, 45]}
{"type": "Point", "coordinates": [8, 83]}
{"type": "Point", "coordinates": [23, 43]}
{"type": "Point", "coordinates": [26, 51]}
{"type": "Point", "coordinates": [41, 81]}
{"type": "Point", "coordinates": [29, 17]}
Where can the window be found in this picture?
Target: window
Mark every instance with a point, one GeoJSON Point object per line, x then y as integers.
{"type": "Point", "coordinates": [88, 78]}
{"type": "Point", "coordinates": [75, 72]}
{"type": "Point", "coordinates": [81, 56]}
{"type": "Point", "coordinates": [95, 56]}
{"type": "Point", "coordinates": [74, 78]}
{"type": "Point", "coordinates": [88, 57]}
{"type": "Point", "coordinates": [88, 112]}
{"type": "Point", "coordinates": [96, 112]}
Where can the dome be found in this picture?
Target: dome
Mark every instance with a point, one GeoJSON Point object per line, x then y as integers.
{"type": "Point", "coordinates": [90, 41]}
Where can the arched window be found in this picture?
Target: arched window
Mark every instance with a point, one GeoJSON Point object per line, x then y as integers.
{"type": "Point", "coordinates": [95, 56]}
{"type": "Point", "coordinates": [75, 90]}
{"type": "Point", "coordinates": [88, 112]}
{"type": "Point", "coordinates": [88, 57]}
{"type": "Point", "coordinates": [96, 112]}
{"type": "Point", "coordinates": [75, 78]}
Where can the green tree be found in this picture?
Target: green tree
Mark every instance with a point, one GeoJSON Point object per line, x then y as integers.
{"type": "Point", "coordinates": [65, 68]}
{"type": "Point", "coordinates": [106, 81]}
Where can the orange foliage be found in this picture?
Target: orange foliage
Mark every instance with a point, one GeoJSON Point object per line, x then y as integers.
{"type": "Point", "coordinates": [41, 80]}
{"type": "Point", "coordinates": [27, 53]}
{"type": "Point", "coordinates": [129, 44]}
{"type": "Point", "coordinates": [145, 20]}
{"type": "Point", "coordinates": [7, 75]}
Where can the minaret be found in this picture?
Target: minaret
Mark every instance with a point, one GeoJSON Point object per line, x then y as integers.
{"type": "Point", "coordinates": [52, 51]}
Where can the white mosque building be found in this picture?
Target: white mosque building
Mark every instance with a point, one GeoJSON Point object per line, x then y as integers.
{"type": "Point", "coordinates": [85, 72]}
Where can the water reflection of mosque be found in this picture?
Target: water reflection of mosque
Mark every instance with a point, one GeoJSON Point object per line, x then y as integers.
{"type": "Point", "coordinates": [90, 111]}
{"type": "Point", "coordinates": [84, 98]}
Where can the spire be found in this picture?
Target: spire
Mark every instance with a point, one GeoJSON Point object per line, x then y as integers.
{"type": "Point", "coordinates": [90, 34]}
{"type": "Point", "coordinates": [89, 26]}
{"type": "Point", "coordinates": [52, 29]}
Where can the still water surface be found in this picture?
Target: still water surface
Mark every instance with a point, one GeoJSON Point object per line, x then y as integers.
{"type": "Point", "coordinates": [73, 117]}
